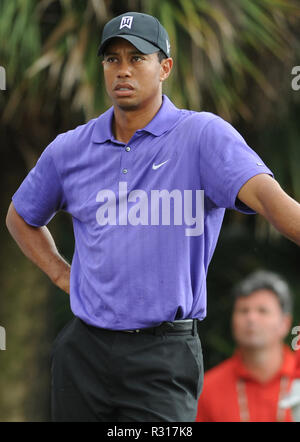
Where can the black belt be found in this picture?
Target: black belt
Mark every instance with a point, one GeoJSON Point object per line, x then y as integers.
{"type": "Point", "coordinates": [184, 326]}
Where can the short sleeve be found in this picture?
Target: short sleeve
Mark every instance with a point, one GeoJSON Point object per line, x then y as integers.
{"type": "Point", "coordinates": [226, 164]}
{"type": "Point", "coordinates": [40, 195]}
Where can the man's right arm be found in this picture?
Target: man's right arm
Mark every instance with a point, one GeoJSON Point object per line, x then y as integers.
{"type": "Point", "coordinates": [38, 245]}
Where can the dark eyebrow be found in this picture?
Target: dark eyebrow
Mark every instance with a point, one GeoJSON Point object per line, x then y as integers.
{"type": "Point", "coordinates": [117, 53]}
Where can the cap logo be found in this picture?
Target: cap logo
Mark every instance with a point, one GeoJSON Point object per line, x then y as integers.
{"type": "Point", "coordinates": [168, 46]}
{"type": "Point", "coordinates": [126, 22]}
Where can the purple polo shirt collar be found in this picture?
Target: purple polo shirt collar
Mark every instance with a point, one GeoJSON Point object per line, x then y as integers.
{"type": "Point", "coordinates": [164, 120]}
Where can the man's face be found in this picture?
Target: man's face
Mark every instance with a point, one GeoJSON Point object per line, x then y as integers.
{"type": "Point", "coordinates": [132, 79]}
{"type": "Point", "coordinates": [258, 321]}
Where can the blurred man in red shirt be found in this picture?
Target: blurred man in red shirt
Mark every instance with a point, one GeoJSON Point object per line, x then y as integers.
{"type": "Point", "coordinates": [250, 385]}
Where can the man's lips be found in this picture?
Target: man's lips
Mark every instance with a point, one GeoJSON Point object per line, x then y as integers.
{"type": "Point", "coordinates": [123, 90]}
{"type": "Point", "coordinates": [123, 87]}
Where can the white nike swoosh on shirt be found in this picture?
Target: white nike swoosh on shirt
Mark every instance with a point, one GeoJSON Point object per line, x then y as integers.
{"type": "Point", "coordinates": [157, 166]}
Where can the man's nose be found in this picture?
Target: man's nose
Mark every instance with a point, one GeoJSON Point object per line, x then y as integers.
{"type": "Point", "coordinates": [124, 69]}
{"type": "Point", "coordinates": [252, 316]}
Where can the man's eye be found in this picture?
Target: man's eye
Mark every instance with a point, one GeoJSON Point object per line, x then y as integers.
{"type": "Point", "coordinates": [110, 59]}
{"type": "Point", "coordinates": [263, 310]}
{"type": "Point", "coordinates": [137, 58]}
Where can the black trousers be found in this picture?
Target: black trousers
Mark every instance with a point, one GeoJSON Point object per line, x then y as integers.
{"type": "Point", "coordinates": [103, 375]}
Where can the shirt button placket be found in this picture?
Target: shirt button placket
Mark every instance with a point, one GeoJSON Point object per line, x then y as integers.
{"type": "Point", "coordinates": [125, 169]}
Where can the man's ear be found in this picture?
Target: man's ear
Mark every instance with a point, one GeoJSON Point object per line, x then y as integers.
{"type": "Point", "coordinates": [286, 324]}
{"type": "Point", "coordinates": [165, 68]}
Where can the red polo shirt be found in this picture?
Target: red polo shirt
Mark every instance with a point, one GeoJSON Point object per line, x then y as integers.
{"type": "Point", "coordinates": [297, 356]}
{"type": "Point", "coordinates": [231, 394]}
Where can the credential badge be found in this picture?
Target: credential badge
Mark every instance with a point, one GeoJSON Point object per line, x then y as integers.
{"type": "Point", "coordinates": [126, 22]}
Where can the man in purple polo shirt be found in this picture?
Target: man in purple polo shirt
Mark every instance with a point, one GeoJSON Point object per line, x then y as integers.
{"type": "Point", "coordinates": [147, 185]}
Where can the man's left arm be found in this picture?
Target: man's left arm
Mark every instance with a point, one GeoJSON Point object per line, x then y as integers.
{"type": "Point", "coordinates": [263, 194]}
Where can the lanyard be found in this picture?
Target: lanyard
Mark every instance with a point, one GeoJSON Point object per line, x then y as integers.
{"type": "Point", "coordinates": [243, 400]}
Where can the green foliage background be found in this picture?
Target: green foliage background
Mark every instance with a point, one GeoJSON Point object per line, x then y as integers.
{"type": "Point", "coordinates": [232, 57]}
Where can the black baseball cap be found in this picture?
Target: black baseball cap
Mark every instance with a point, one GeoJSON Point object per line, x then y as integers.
{"type": "Point", "coordinates": [142, 30]}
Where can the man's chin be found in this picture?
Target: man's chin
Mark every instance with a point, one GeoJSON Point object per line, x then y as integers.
{"type": "Point", "coordinates": [126, 104]}
{"type": "Point", "coordinates": [129, 107]}
{"type": "Point", "coordinates": [252, 344]}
